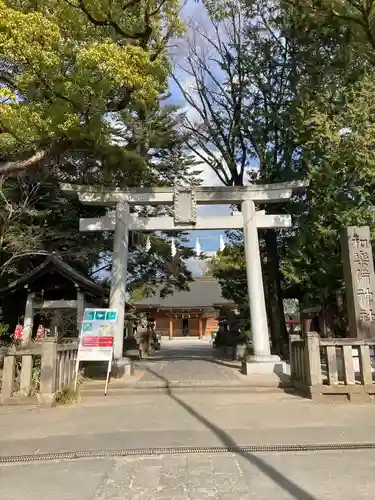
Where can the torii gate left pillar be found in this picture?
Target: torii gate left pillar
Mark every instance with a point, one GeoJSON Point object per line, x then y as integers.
{"type": "Point", "coordinates": [117, 297]}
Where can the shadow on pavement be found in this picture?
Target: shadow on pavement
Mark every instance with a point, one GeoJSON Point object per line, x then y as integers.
{"type": "Point", "coordinates": [283, 482]}
{"type": "Point", "coordinates": [282, 381]}
{"type": "Point", "coordinates": [215, 361]}
{"type": "Point", "coordinates": [196, 352]}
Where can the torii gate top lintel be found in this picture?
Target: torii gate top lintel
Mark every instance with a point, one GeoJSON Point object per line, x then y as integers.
{"type": "Point", "coordinates": [204, 195]}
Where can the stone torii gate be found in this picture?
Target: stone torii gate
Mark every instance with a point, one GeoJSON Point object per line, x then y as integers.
{"type": "Point", "coordinates": [184, 201]}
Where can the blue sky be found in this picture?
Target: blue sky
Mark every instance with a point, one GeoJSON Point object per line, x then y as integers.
{"type": "Point", "coordinates": [209, 240]}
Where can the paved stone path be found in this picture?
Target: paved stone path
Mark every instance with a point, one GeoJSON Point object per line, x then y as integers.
{"type": "Point", "coordinates": [299, 476]}
{"type": "Point", "coordinates": [187, 361]}
{"type": "Point", "coordinates": [188, 418]}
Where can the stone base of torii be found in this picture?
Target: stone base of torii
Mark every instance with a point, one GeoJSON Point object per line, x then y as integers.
{"type": "Point", "coordinates": [184, 201]}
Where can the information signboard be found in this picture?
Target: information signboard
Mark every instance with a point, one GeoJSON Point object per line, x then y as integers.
{"type": "Point", "coordinates": [96, 338]}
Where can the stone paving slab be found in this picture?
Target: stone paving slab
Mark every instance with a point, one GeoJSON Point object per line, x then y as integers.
{"type": "Point", "coordinates": [193, 371]}
{"type": "Point", "coordinates": [187, 360]}
{"type": "Point", "coordinates": [178, 419]}
{"type": "Point", "coordinates": [190, 361]}
{"type": "Point", "coordinates": [144, 421]}
{"type": "Point", "coordinates": [298, 476]}
{"type": "Point", "coordinates": [170, 439]}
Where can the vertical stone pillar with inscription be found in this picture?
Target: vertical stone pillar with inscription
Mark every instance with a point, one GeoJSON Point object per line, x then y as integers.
{"type": "Point", "coordinates": [359, 281]}
{"type": "Point", "coordinates": [184, 206]}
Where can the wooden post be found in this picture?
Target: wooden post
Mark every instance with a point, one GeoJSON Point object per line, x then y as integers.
{"type": "Point", "coordinates": [80, 309]}
{"type": "Point", "coordinates": [200, 328]}
{"type": "Point", "coordinates": [28, 322]}
{"type": "Point", "coordinates": [55, 322]}
{"type": "Point", "coordinates": [60, 371]}
{"type": "Point", "coordinates": [66, 368]}
{"type": "Point", "coordinates": [48, 372]}
{"type": "Point", "coordinates": [170, 328]}
{"type": "Point", "coordinates": [8, 378]}
{"type": "Point", "coordinates": [314, 368]}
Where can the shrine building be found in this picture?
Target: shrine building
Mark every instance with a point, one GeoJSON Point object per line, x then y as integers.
{"type": "Point", "coordinates": [193, 313]}
{"type": "Point", "coordinates": [53, 294]}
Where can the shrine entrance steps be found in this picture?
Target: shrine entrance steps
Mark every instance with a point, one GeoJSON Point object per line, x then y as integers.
{"type": "Point", "coordinates": [187, 364]}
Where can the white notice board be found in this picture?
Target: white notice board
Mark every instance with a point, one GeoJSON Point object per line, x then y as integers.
{"type": "Point", "coordinates": [96, 338]}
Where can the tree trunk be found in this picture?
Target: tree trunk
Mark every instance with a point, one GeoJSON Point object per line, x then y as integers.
{"type": "Point", "coordinates": [279, 333]}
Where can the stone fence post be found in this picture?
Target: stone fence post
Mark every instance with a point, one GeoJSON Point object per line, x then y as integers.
{"type": "Point", "coordinates": [7, 387]}
{"type": "Point", "coordinates": [293, 337]}
{"type": "Point", "coordinates": [313, 362]}
{"type": "Point", "coordinates": [48, 372]}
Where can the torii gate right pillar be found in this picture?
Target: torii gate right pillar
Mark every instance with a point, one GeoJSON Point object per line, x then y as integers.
{"type": "Point", "coordinates": [261, 361]}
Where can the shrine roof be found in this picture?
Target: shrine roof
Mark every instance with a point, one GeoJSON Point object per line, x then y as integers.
{"type": "Point", "coordinates": [204, 292]}
{"type": "Point", "coordinates": [55, 264]}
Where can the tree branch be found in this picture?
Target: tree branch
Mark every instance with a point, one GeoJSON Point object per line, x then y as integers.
{"type": "Point", "coordinates": [22, 254]}
{"type": "Point", "coordinates": [44, 154]}
{"type": "Point", "coordinates": [33, 160]}
{"type": "Point", "coordinates": [4, 78]}
{"type": "Point", "coordinates": [111, 23]}
{"type": "Point", "coordinates": [120, 104]}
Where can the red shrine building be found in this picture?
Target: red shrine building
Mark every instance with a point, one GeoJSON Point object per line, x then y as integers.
{"type": "Point", "coordinates": [187, 313]}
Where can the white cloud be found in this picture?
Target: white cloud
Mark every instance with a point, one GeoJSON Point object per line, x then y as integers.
{"type": "Point", "coordinates": [210, 178]}
{"type": "Point", "coordinates": [188, 84]}
{"type": "Point", "coordinates": [199, 30]}
{"type": "Point", "coordinates": [208, 175]}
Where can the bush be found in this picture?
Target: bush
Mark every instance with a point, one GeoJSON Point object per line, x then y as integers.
{"type": "Point", "coordinates": [35, 376]}
{"type": "Point", "coordinates": [5, 337]}
{"type": "Point", "coordinates": [68, 395]}
{"type": "Point", "coordinates": [232, 338]}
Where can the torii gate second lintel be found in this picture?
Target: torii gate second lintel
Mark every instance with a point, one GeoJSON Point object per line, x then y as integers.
{"type": "Point", "coordinates": [184, 201]}
{"type": "Point", "coordinates": [166, 224]}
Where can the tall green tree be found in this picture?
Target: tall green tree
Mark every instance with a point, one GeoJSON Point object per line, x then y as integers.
{"type": "Point", "coordinates": [337, 154]}
{"type": "Point", "coordinates": [38, 218]}
{"type": "Point", "coordinates": [229, 268]}
{"type": "Point", "coordinates": [300, 64]}
{"type": "Point", "coordinates": [245, 87]}
{"type": "Point", "coordinates": [67, 65]}
{"type": "Point", "coordinates": [350, 21]}
{"type": "Point", "coordinates": [81, 85]}
{"type": "Point", "coordinates": [341, 160]}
